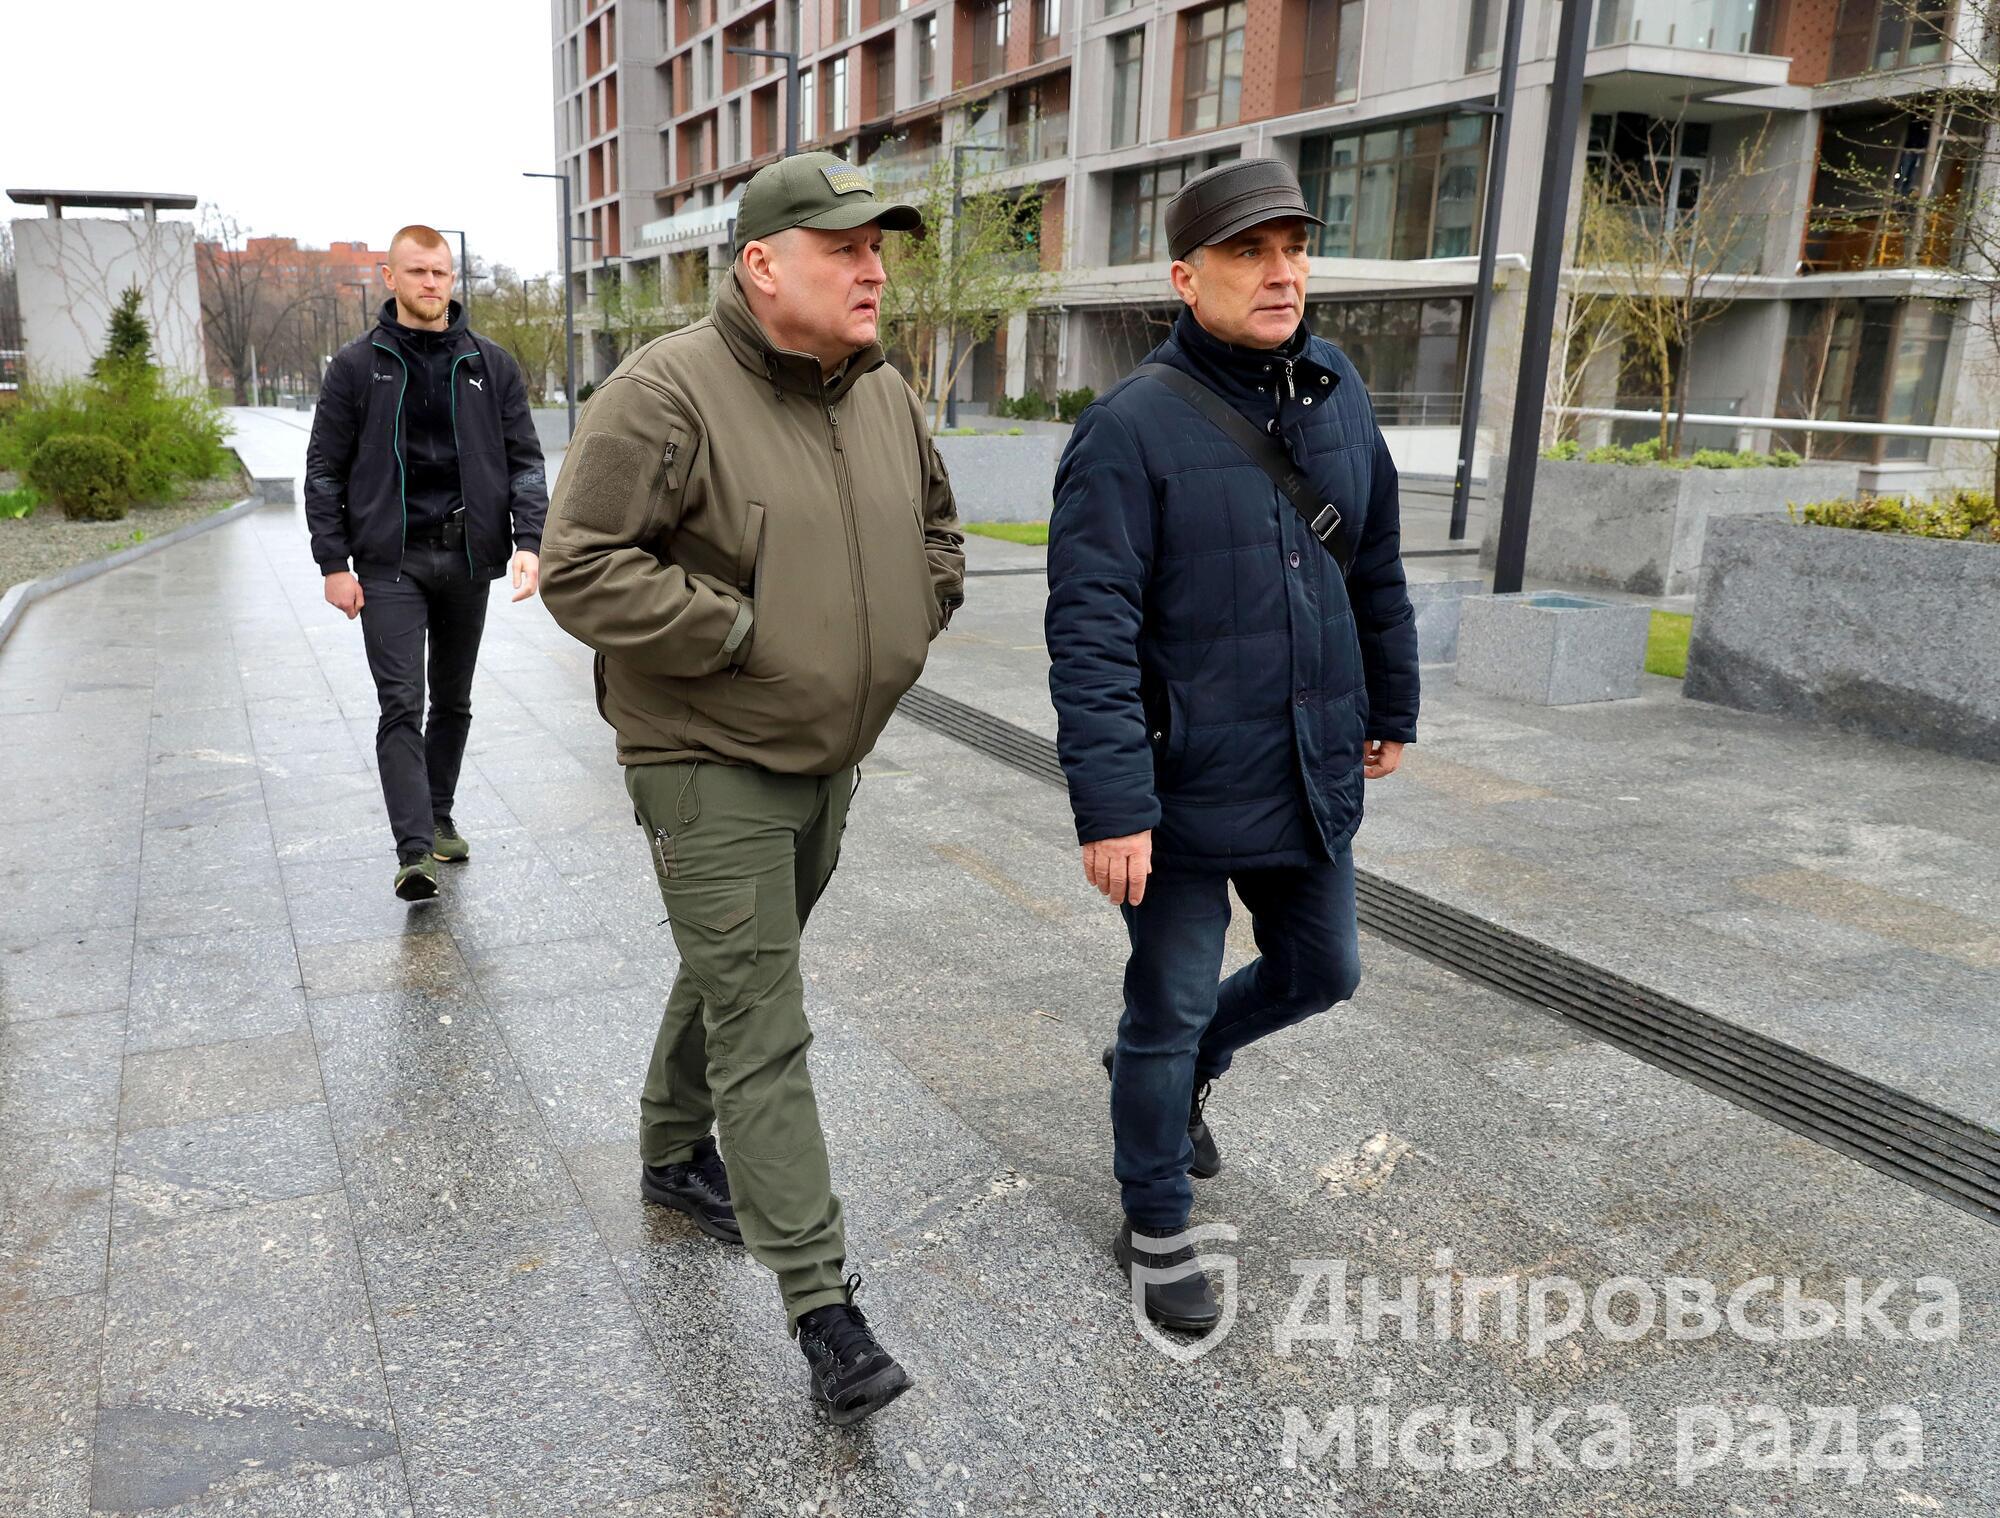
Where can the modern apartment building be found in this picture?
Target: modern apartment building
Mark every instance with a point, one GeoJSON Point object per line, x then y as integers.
{"type": "Point", "coordinates": [1384, 108]}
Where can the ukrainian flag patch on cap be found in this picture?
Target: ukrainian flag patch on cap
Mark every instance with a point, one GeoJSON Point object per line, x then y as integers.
{"type": "Point", "coordinates": [847, 180]}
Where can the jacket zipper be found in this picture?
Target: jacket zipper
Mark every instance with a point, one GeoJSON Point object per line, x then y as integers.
{"type": "Point", "coordinates": [859, 571]}
{"type": "Point", "coordinates": [451, 384]}
{"type": "Point", "coordinates": [1289, 390]}
{"type": "Point", "coordinates": [396, 440]}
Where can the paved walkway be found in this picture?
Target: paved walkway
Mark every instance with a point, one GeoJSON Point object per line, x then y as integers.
{"type": "Point", "coordinates": [318, 1204]}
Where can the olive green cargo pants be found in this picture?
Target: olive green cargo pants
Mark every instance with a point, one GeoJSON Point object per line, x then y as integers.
{"type": "Point", "coordinates": [742, 855]}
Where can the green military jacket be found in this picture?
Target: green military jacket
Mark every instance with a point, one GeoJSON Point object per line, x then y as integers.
{"type": "Point", "coordinates": [759, 555]}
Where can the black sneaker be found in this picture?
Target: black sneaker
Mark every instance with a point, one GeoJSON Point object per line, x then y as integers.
{"type": "Point", "coordinates": [852, 1376]}
{"type": "Point", "coordinates": [416, 875]}
{"type": "Point", "coordinates": [1207, 1161]}
{"type": "Point", "coordinates": [1181, 1299]}
{"type": "Point", "coordinates": [699, 1187]}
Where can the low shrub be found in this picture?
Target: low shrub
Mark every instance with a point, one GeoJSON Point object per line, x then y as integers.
{"type": "Point", "coordinates": [1648, 453]}
{"type": "Point", "coordinates": [15, 504]}
{"type": "Point", "coordinates": [90, 478]}
{"type": "Point", "coordinates": [172, 439]}
{"type": "Point", "coordinates": [1030, 406]}
{"type": "Point", "coordinates": [1070, 403]}
{"type": "Point", "coordinates": [1957, 515]}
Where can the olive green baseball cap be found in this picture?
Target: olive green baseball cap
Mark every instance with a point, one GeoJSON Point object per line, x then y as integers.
{"type": "Point", "coordinates": [816, 190]}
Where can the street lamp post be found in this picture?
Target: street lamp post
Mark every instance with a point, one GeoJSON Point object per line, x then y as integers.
{"type": "Point", "coordinates": [569, 301]}
{"type": "Point", "coordinates": [464, 268]}
{"type": "Point", "coordinates": [1544, 272]}
{"type": "Point", "coordinates": [791, 89]}
{"type": "Point", "coordinates": [958, 152]}
{"type": "Point", "coordinates": [364, 287]}
{"type": "Point", "coordinates": [1489, 252]}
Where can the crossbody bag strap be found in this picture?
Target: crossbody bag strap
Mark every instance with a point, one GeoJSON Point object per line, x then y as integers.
{"type": "Point", "coordinates": [1322, 519]}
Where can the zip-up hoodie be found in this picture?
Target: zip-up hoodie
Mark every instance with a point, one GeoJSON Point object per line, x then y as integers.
{"type": "Point", "coordinates": [759, 555]}
{"type": "Point", "coordinates": [358, 464]}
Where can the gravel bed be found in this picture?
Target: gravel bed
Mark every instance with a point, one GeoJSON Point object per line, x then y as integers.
{"type": "Point", "coordinates": [48, 542]}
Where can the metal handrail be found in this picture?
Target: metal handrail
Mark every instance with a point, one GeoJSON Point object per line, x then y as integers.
{"type": "Point", "coordinates": [1787, 423]}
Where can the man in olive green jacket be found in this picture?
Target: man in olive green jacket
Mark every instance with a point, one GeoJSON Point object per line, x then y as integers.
{"type": "Point", "coordinates": [755, 533]}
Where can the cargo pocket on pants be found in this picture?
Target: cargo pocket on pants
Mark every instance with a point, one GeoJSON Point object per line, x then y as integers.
{"type": "Point", "coordinates": [715, 929]}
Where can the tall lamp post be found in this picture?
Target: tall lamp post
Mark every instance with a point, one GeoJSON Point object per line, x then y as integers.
{"type": "Point", "coordinates": [364, 287]}
{"type": "Point", "coordinates": [791, 61]}
{"type": "Point", "coordinates": [464, 266]}
{"type": "Point", "coordinates": [569, 300]}
{"type": "Point", "coordinates": [958, 152]}
{"type": "Point", "coordinates": [1489, 252]}
{"type": "Point", "coordinates": [1544, 273]}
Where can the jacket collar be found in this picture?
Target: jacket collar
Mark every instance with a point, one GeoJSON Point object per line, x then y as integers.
{"type": "Point", "coordinates": [1246, 374]}
{"type": "Point", "coordinates": [456, 337]}
{"type": "Point", "coordinates": [785, 369]}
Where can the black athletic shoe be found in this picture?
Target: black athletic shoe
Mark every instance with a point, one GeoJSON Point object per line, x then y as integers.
{"type": "Point", "coordinates": [699, 1187]}
{"type": "Point", "coordinates": [852, 1375]}
{"type": "Point", "coordinates": [1182, 1299]}
{"type": "Point", "coordinates": [1207, 1161]}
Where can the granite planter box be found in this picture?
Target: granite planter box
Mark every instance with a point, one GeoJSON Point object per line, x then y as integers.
{"type": "Point", "coordinates": [1551, 649]}
{"type": "Point", "coordinates": [1884, 634]}
{"type": "Point", "coordinates": [997, 478]}
{"type": "Point", "coordinates": [1641, 528]}
{"type": "Point", "coordinates": [1438, 604]}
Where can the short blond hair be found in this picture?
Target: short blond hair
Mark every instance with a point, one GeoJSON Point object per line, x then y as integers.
{"type": "Point", "coordinates": [421, 235]}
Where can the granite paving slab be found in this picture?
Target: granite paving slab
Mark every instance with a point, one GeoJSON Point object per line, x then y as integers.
{"type": "Point", "coordinates": [398, 1264]}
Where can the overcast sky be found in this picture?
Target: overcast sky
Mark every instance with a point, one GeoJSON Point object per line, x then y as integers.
{"type": "Point", "coordinates": [298, 118]}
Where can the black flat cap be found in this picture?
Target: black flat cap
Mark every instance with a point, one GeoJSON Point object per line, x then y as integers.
{"type": "Point", "coordinates": [1230, 198]}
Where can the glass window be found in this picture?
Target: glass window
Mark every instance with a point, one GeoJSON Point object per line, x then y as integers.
{"type": "Point", "coordinates": [836, 97]}
{"type": "Point", "coordinates": [1865, 361]}
{"type": "Point", "coordinates": [1114, 7]}
{"type": "Point", "coordinates": [1214, 68]}
{"type": "Point", "coordinates": [1410, 191]}
{"type": "Point", "coordinates": [1048, 27]}
{"type": "Point", "coordinates": [1482, 40]}
{"type": "Point", "coordinates": [927, 32]}
{"type": "Point", "coordinates": [1333, 52]}
{"type": "Point", "coordinates": [1889, 34]}
{"type": "Point", "coordinates": [989, 38]}
{"type": "Point", "coordinates": [808, 122]}
{"type": "Point", "coordinates": [1138, 210]}
{"type": "Point", "coordinates": [1410, 353]}
{"type": "Point", "coordinates": [1127, 53]}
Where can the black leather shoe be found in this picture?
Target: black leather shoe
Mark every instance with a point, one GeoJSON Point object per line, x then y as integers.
{"type": "Point", "coordinates": [1207, 1161]}
{"type": "Point", "coordinates": [1182, 1300]}
{"type": "Point", "coordinates": [852, 1375]}
{"type": "Point", "coordinates": [699, 1187]}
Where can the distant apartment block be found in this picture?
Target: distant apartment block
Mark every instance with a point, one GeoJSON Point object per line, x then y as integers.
{"type": "Point", "coordinates": [1384, 108]}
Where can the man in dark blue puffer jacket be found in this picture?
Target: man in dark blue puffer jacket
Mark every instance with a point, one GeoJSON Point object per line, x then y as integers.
{"type": "Point", "coordinates": [1222, 690]}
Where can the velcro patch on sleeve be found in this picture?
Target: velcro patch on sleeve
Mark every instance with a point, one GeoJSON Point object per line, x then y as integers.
{"type": "Point", "coordinates": [606, 485]}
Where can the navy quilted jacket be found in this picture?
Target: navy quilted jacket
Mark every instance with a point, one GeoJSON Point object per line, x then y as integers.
{"type": "Point", "coordinates": [1214, 680]}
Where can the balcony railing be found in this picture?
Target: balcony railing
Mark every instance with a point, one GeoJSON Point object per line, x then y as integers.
{"type": "Point", "coordinates": [902, 165]}
{"type": "Point", "coordinates": [1417, 408]}
{"type": "Point", "coordinates": [1707, 26]}
{"type": "Point", "coordinates": [1020, 143]}
{"type": "Point", "coordinates": [1903, 238]}
{"type": "Point", "coordinates": [1712, 244]}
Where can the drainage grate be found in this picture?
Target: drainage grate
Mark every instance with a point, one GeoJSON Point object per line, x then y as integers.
{"type": "Point", "coordinates": [1948, 1157]}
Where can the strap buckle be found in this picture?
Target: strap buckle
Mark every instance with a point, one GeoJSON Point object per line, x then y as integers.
{"type": "Point", "coordinates": [1326, 524]}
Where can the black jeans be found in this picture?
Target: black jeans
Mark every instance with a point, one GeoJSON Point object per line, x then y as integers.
{"type": "Point", "coordinates": [1181, 1029]}
{"type": "Point", "coordinates": [435, 596]}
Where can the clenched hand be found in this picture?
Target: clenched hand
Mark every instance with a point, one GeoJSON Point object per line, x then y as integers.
{"type": "Point", "coordinates": [1119, 866]}
{"type": "Point", "coordinates": [343, 593]}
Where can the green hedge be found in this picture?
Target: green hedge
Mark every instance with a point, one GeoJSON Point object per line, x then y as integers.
{"type": "Point", "coordinates": [90, 478]}
{"type": "Point", "coordinates": [1648, 453]}
{"type": "Point", "coordinates": [1961, 515]}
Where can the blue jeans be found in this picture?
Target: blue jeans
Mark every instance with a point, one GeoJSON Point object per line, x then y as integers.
{"type": "Point", "coordinates": [1181, 1029]}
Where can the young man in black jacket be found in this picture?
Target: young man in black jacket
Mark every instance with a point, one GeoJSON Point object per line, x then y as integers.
{"type": "Point", "coordinates": [423, 474]}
